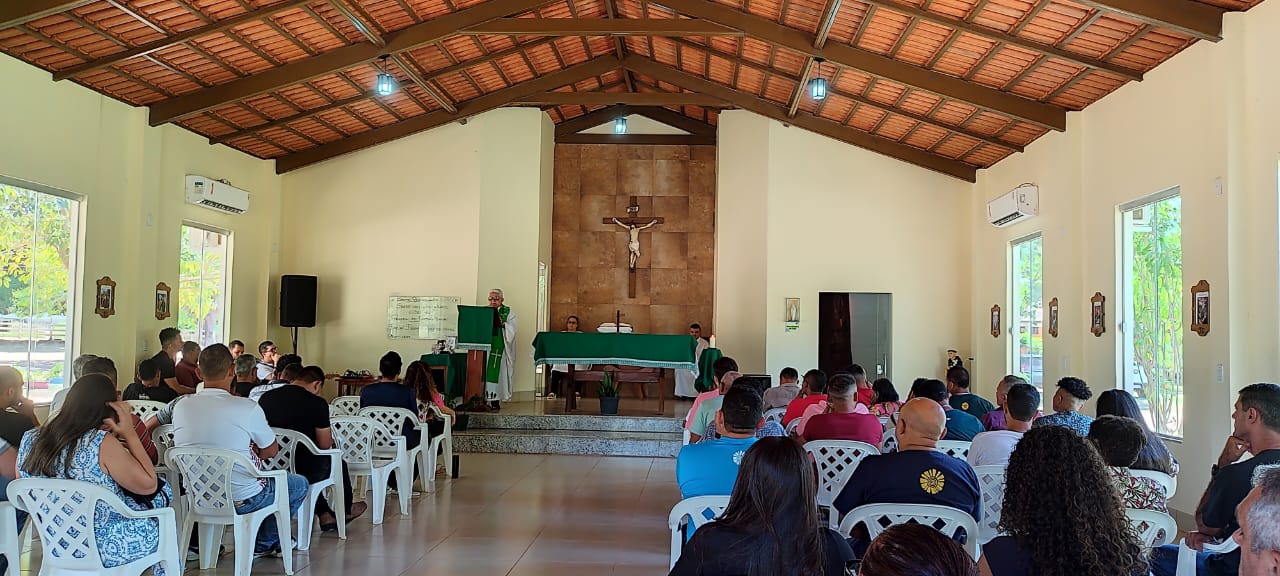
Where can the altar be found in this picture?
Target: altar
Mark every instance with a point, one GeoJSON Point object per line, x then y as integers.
{"type": "Point", "coordinates": [663, 351]}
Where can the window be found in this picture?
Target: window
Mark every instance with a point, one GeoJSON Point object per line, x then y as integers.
{"type": "Point", "coordinates": [1151, 331]}
{"type": "Point", "coordinates": [38, 231]}
{"type": "Point", "coordinates": [202, 285]}
{"type": "Point", "coordinates": [1027, 340]}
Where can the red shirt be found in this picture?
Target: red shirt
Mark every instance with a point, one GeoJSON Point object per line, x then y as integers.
{"type": "Point", "coordinates": [852, 426]}
{"type": "Point", "coordinates": [186, 374]}
{"type": "Point", "coordinates": [864, 396]}
{"type": "Point", "coordinates": [796, 408]}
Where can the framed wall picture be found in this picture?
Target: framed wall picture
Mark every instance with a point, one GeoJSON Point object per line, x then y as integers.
{"type": "Point", "coordinates": [1053, 317]}
{"type": "Point", "coordinates": [162, 301]}
{"type": "Point", "coordinates": [106, 297]}
{"type": "Point", "coordinates": [1200, 313]}
{"type": "Point", "coordinates": [1098, 314]}
{"type": "Point", "coordinates": [793, 314]}
{"type": "Point", "coordinates": [995, 321]}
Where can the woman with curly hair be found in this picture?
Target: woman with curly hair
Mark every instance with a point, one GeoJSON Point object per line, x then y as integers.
{"type": "Point", "coordinates": [1080, 529]}
{"type": "Point", "coordinates": [1154, 455]}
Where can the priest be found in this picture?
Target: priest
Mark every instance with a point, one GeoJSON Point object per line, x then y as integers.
{"type": "Point", "coordinates": [685, 379]}
{"type": "Point", "coordinates": [501, 367]}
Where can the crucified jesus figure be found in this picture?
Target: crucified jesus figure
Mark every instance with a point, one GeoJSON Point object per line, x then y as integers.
{"type": "Point", "coordinates": [633, 245]}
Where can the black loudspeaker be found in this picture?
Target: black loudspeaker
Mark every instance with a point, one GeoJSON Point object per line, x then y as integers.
{"type": "Point", "coordinates": [298, 301]}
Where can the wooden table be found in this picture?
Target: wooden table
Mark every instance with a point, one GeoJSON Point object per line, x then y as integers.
{"type": "Point", "coordinates": [352, 386]}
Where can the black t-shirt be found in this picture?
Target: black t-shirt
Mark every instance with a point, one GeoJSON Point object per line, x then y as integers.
{"type": "Point", "coordinates": [12, 426]}
{"type": "Point", "coordinates": [294, 408]}
{"type": "Point", "coordinates": [717, 550]}
{"type": "Point", "coordinates": [165, 365]}
{"type": "Point", "coordinates": [1226, 491]}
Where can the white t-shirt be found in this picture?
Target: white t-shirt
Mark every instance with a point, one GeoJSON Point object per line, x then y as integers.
{"type": "Point", "coordinates": [993, 448]}
{"type": "Point", "coordinates": [256, 393]}
{"type": "Point", "coordinates": [213, 418]}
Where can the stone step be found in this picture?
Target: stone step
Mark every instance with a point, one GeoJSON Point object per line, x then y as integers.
{"type": "Point", "coordinates": [579, 422]}
{"type": "Point", "coordinates": [581, 442]}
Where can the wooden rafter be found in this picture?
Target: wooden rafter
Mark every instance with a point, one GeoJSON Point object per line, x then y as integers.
{"type": "Point", "coordinates": [808, 122]}
{"type": "Point", "coordinates": [1186, 16]}
{"type": "Point", "coordinates": [677, 120]}
{"type": "Point", "coordinates": [478, 105]}
{"type": "Point", "coordinates": [288, 119]}
{"type": "Point", "coordinates": [600, 27]}
{"type": "Point", "coordinates": [335, 60]}
{"type": "Point", "coordinates": [593, 119]}
{"type": "Point", "coordinates": [16, 13]}
{"type": "Point", "coordinates": [829, 11]}
{"type": "Point", "coordinates": [639, 139]}
{"type": "Point", "coordinates": [632, 98]}
{"type": "Point", "coordinates": [424, 84]}
{"type": "Point", "coordinates": [1039, 113]}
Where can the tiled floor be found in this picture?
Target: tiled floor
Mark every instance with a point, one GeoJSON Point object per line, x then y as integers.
{"type": "Point", "coordinates": [509, 514]}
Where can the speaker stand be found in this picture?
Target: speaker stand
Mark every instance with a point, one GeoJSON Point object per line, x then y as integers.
{"type": "Point", "coordinates": [293, 331]}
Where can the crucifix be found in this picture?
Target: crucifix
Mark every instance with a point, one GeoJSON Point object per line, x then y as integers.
{"type": "Point", "coordinates": [634, 223]}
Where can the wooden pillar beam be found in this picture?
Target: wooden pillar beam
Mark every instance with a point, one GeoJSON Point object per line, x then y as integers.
{"type": "Point", "coordinates": [599, 27]}
{"type": "Point", "coordinates": [1195, 19]}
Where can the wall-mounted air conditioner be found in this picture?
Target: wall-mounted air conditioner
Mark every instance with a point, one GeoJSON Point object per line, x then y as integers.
{"type": "Point", "coordinates": [216, 195]}
{"type": "Point", "coordinates": [1022, 203]}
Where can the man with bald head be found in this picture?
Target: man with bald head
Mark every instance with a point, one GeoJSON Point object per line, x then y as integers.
{"type": "Point", "coordinates": [918, 473]}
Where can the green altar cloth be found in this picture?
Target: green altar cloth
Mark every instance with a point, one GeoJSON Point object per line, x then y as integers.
{"type": "Point", "coordinates": [646, 350]}
{"type": "Point", "coordinates": [457, 375]}
{"type": "Point", "coordinates": [476, 327]}
{"type": "Point", "coordinates": [706, 376]}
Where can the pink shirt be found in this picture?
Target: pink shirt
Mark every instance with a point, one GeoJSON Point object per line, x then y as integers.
{"type": "Point", "coordinates": [852, 426]}
{"type": "Point", "coordinates": [698, 402]}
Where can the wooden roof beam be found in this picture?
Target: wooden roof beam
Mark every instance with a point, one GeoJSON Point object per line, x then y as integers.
{"type": "Point", "coordinates": [1039, 113]}
{"type": "Point", "coordinates": [599, 27]}
{"type": "Point", "coordinates": [472, 107]}
{"type": "Point", "coordinates": [592, 119]}
{"type": "Point", "coordinates": [15, 13]}
{"type": "Point", "coordinates": [828, 19]}
{"type": "Point", "coordinates": [639, 139]}
{"type": "Point", "coordinates": [335, 60]}
{"type": "Point", "coordinates": [288, 119]}
{"type": "Point", "coordinates": [412, 73]}
{"type": "Point", "coordinates": [676, 120]}
{"type": "Point", "coordinates": [1194, 19]}
{"type": "Point", "coordinates": [881, 145]}
{"type": "Point", "coordinates": [632, 98]}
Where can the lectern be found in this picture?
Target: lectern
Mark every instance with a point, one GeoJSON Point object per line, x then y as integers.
{"type": "Point", "coordinates": [477, 326]}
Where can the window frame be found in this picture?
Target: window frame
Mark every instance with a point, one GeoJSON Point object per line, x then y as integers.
{"type": "Point", "coordinates": [1011, 347]}
{"type": "Point", "coordinates": [228, 265]}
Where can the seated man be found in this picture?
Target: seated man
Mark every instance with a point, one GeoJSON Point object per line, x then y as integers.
{"type": "Point", "coordinates": [993, 448]}
{"type": "Point", "coordinates": [813, 391]}
{"type": "Point", "coordinates": [720, 369]}
{"type": "Point", "coordinates": [710, 468]}
{"type": "Point", "coordinates": [391, 393]}
{"type": "Point", "coordinates": [246, 375]}
{"type": "Point", "coordinates": [1119, 440]}
{"type": "Point", "coordinates": [185, 370]}
{"type": "Point", "coordinates": [148, 379]}
{"type": "Point", "coordinates": [960, 425]}
{"type": "Point", "coordinates": [787, 389]}
{"type": "Point", "coordinates": [166, 361]}
{"type": "Point", "coordinates": [994, 420]}
{"type": "Point", "coordinates": [17, 412]}
{"type": "Point", "coordinates": [961, 397]}
{"type": "Point", "coordinates": [290, 366]}
{"type": "Point", "coordinates": [1259, 533]}
{"type": "Point", "coordinates": [918, 473]}
{"type": "Point", "coordinates": [1255, 429]}
{"type": "Point", "coordinates": [237, 348]}
{"type": "Point", "coordinates": [299, 407]}
{"type": "Point", "coordinates": [213, 418]}
{"type": "Point", "coordinates": [267, 354]}
{"type": "Point", "coordinates": [1067, 402]}
{"type": "Point", "coordinates": [865, 393]}
{"type": "Point", "coordinates": [841, 421]}
{"type": "Point", "coordinates": [766, 429]}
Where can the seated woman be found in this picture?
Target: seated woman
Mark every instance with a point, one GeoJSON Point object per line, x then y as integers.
{"type": "Point", "coordinates": [92, 440]}
{"type": "Point", "coordinates": [1154, 454]}
{"type": "Point", "coordinates": [1058, 502]}
{"type": "Point", "coordinates": [771, 525]}
{"type": "Point", "coordinates": [418, 378]}
{"type": "Point", "coordinates": [1118, 440]}
{"type": "Point", "coordinates": [885, 401]}
{"type": "Point", "coordinates": [915, 550]}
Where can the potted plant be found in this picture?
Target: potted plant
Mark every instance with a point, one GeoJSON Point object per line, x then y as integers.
{"type": "Point", "coordinates": [608, 395]}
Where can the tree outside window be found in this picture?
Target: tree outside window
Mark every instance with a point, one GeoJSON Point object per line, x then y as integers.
{"type": "Point", "coordinates": [1152, 365]}
{"type": "Point", "coordinates": [202, 285]}
{"type": "Point", "coordinates": [1027, 340]}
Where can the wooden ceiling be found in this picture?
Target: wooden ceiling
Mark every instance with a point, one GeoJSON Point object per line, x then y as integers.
{"type": "Point", "coordinates": [950, 85]}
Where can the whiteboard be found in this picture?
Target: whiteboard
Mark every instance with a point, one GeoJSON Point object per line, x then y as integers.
{"type": "Point", "coordinates": [422, 317]}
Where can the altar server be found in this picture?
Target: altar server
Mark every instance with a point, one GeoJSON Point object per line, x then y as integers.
{"type": "Point", "coordinates": [686, 378]}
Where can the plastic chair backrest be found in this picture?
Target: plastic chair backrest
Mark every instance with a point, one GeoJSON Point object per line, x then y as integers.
{"type": "Point", "coordinates": [775, 415]}
{"type": "Point", "coordinates": [206, 477]}
{"type": "Point", "coordinates": [889, 442]}
{"type": "Point", "coordinates": [698, 510]}
{"type": "Point", "coordinates": [162, 437]}
{"type": "Point", "coordinates": [955, 448]}
{"type": "Point", "coordinates": [1154, 528]}
{"type": "Point", "coordinates": [355, 436]}
{"type": "Point", "coordinates": [286, 459]}
{"type": "Point", "coordinates": [63, 512]}
{"type": "Point", "coordinates": [144, 409]}
{"type": "Point", "coordinates": [991, 485]}
{"type": "Point", "coordinates": [345, 406]}
{"type": "Point", "coordinates": [836, 461]}
{"type": "Point", "coordinates": [950, 521]}
{"type": "Point", "coordinates": [791, 428]}
{"type": "Point", "coordinates": [393, 420]}
{"type": "Point", "coordinates": [1167, 482]}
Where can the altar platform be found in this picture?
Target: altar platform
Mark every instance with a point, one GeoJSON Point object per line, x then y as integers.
{"type": "Point", "coordinates": [543, 427]}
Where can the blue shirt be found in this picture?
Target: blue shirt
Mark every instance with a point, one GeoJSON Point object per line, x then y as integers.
{"type": "Point", "coordinates": [962, 426]}
{"type": "Point", "coordinates": [1071, 419]}
{"type": "Point", "coordinates": [710, 468]}
{"type": "Point", "coordinates": [391, 395]}
{"type": "Point", "coordinates": [913, 477]}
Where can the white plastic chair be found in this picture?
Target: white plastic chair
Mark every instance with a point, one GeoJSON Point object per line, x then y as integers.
{"type": "Point", "coordinates": [286, 459]}
{"type": "Point", "coordinates": [63, 512]}
{"type": "Point", "coordinates": [955, 448]}
{"type": "Point", "coordinates": [162, 438]}
{"type": "Point", "coordinates": [991, 486]}
{"type": "Point", "coordinates": [422, 455]}
{"type": "Point", "coordinates": [1167, 482]}
{"type": "Point", "coordinates": [206, 475]}
{"type": "Point", "coordinates": [884, 421]}
{"type": "Point", "coordinates": [697, 511]}
{"type": "Point", "coordinates": [445, 437]}
{"type": "Point", "coordinates": [774, 415]}
{"type": "Point", "coordinates": [9, 538]}
{"type": "Point", "coordinates": [889, 442]}
{"type": "Point", "coordinates": [791, 428]}
{"type": "Point", "coordinates": [1187, 556]}
{"type": "Point", "coordinates": [687, 437]}
{"type": "Point", "coordinates": [836, 461]}
{"type": "Point", "coordinates": [1154, 528]}
{"type": "Point", "coordinates": [144, 409]}
{"type": "Point", "coordinates": [345, 406]}
{"type": "Point", "coordinates": [944, 519]}
{"type": "Point", "coordinates": [357, 437]}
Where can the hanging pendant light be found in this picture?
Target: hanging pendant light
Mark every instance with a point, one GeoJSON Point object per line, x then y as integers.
{"type": "Point", "coordinates": [386, 84]}
{"type": "Point", "coordinates": [620, 126]}
{"type": "Point", "coordinates": [818, 85]}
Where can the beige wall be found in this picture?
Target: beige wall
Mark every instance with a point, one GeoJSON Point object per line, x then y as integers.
{"type": "Point", "coordinates": [1207, 113]}
{"type": "Point", "coordinates": [453, 211]}
{"type": "Point", "coordinates": [801, 214]}
{"type": "Point", "coordinates": [130, 178]}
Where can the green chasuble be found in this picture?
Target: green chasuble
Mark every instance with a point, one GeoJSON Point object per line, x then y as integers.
{"type": "Point", "coordinates": [493, 369]}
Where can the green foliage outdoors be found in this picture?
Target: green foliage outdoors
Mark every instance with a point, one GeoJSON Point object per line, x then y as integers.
{"type": "Point", "coordinates": [1029, 263]}
{"type": "Point", "coordinates": [35, 250]}
{"type": "Point", "coordinates": [1157, 313]}
{"type": "Point", "coordinates": [199, 298]}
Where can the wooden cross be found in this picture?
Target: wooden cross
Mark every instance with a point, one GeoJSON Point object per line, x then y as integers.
{"type": "Point", "coordinates": [634, 223]}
